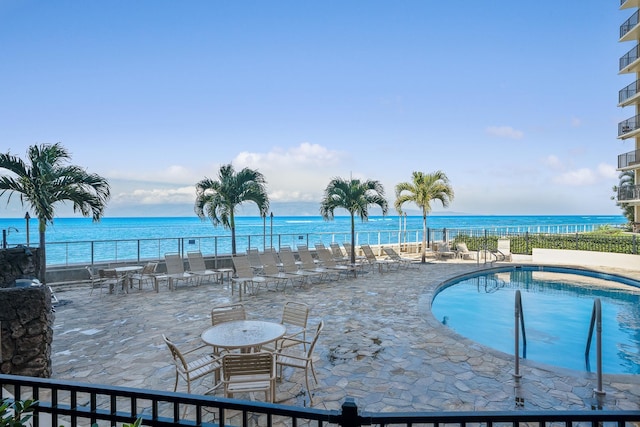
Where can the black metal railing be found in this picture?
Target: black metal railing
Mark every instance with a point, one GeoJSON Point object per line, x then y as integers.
{"type": "Point", "coordinates": [628, 193]}
{"type": "Point", "coordinates": [523, 244]}
{"type": "Point", "coordinates": [629, 24]}
{"type": "Point", "coordinates": [629, 57]}
{"type": "Point", "coordinates": [628, 125]}
{"type": "Point", "coordinates": [628, 92]}
{"type": "Point", "coordinates": [628, 159]}
{"type": "Point", "coordinates": [79, 404]}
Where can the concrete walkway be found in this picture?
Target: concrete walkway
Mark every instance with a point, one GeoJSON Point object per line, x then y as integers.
{"type": "Point", "coordinates": [380, 345]}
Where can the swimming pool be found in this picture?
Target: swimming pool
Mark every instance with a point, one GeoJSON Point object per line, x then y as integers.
{"type": "Point", "coordinates": [557, 304]}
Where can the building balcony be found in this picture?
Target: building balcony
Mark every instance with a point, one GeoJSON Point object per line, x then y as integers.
{"type": "Point", "coordinates": [630, 160]}
{"type": "Point", "coordinates": [630, 30]}
{"type": "Point", "coordinates": [629, 128]}
{"type": "Point", "coordinates": [629, 194]}
{"type": "Point", "coordinates": [629, 61]}
{"type": "Point", "coordinates": [627, 4]}
{"type": "Point", "coordinates": [629, 95]}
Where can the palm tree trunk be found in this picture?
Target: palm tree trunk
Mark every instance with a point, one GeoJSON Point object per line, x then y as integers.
{"type": "Point", "coordinates": [232, 223]}
{"type": "Point", "coordinates": [42, 251]}
{"type": "Point", "coordinates": [424, 238]}
{"type": "Point", "coordinates": [353, 239]}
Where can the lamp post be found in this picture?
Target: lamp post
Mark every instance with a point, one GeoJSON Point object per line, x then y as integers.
{"type": "Point", "coordinates": [405, 231]}
{"type": "Point", "coordinates": [27, 217]}
{"type": "Point", "coordinates": [271, 227]}
{"type": "Point", "coordinates": [264, 231]}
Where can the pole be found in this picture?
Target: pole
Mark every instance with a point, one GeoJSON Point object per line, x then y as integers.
{"type": "Point", "coordinates": [405, 232]}
{"type": "Point", "coordinates": [264, 231]}
{"type": "Point", "coordinates": [27, 217]}
{"type": "Point", "coordinates": [271, 227]}
{"type": "Point", "coordinates": [518, 306]}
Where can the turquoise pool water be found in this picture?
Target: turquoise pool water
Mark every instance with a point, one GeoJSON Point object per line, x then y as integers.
{"type": "Point", "coordinates": [557, 305]}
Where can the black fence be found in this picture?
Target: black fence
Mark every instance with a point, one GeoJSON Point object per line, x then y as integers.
{"type": "Point", "coordinates": [524, 243]}
{"type": "Point", "coordinates": [76, 404]}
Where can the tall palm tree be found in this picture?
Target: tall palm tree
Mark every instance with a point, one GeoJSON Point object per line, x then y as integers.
{"type": "Point", "coordinates": [424, 188]}
{"type": "Point", "coordinates": [44, 180]}
{"type": "Point", "coordinates": [354, 196]}
{"type": "Point", "coordinates": [218, 200]}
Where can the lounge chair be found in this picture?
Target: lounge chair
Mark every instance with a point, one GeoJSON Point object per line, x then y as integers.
{"type": "Point", "coordinates": [394, 256]}
{"type": "Point", "coordinates": [329, 263]}
{"type": "Point", "coordinates": [462, 251]}
{"type": "Point", "coordinates": [198, 268]}
{"type": "Point", "coordinates": [254, 260]}
{"type": "Point", "coordinates": [504, 249]}
{"type": "Point", "coordinates": [338, 255]}
{"type": "Point", "coordinates": [373, 261]}
{"type": "Point", "coordinates": [290, 266]}
{"type": "Point", "coordinates": [309, 264]}
{"type": "Point", "coordinates": [444, 251]}
{"type": "Point", "coordinates": [175, 271]}
{"type": "Point", "coordinates": [271, 271]}
{"type": "Point", "coordinates": [244, 275]}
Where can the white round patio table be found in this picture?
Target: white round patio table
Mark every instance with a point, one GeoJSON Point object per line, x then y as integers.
{"type": "Point", "coordinates": [243, 334]}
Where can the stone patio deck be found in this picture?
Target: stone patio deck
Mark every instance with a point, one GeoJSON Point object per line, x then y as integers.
{"type": "Point", "coordinates": [380, 345]}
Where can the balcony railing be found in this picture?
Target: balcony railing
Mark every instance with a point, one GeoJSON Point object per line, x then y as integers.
{"type": "Point", "coordinates": [79, 404]}
{"type": "Point", "coordinates": [629, 57]}
{"type": "Point", "coordinates": [628, 125]}
{"type": "Point", "coordinates": [628, 92]}
{"type": "Point", "coordinates": [628, 159]}
{"type": "Point", "coordinates": [629, 24]}
{"type": "Point", "coordinates": [628, 193]}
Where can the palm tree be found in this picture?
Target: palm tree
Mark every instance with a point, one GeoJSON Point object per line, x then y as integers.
{"type": "Point", "coordinates": [627, 180]}
{"type": "Point", "coordinates": [219, 199]}
{"type": "Point", "coordinates": [355, 197]}
{"type": "Point", "coordinates": [424, 188]}
{"type": "Point", "coordinates": [44, 180]}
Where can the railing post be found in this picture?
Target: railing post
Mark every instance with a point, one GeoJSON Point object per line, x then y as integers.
{"type": "Point", "coordinates": [519, 323]}
{"type": "Point", "coordinates": [350, 416]}
{"type": "Point", "coordinates": [596, 320]}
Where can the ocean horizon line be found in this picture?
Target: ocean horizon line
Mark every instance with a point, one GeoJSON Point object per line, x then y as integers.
{"type": "Point", "coordinates": [396, 215]}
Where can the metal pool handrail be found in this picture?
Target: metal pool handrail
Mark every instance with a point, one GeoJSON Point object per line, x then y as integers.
{"type": "Point", "coordinates": [596, 319]}
{"type": "Point", "coordinates": [519, 325]}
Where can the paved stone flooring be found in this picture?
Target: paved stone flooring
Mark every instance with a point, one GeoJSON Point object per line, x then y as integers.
{"type": "Point", "coordinates": [380, 345]}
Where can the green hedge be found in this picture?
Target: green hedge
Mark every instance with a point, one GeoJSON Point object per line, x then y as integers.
{"type": "Point", "coordinates": [524, 243]}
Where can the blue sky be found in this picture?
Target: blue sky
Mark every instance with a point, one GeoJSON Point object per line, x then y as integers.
{"type": "Point", "coordinates": [515, 102]}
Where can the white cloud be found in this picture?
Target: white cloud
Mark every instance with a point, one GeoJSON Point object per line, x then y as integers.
{"type": "Point", "coordinates": [576, 122]}
{"type": "Point", "coordinates": [553, 162]}
{"type": "Point", "coordinates": [153, 196]}
{"type": "Point", "coordinates": [304, 155]}
{"type": "Point", "coordinates": [295, 174]}
{"type": "Point", "coordinates": [586, 176]}
{"type": "Point", "coordinates": [173, 173]}
{"type": "Point", "coordinates": [504, 132]}
{"type": "Point", "coordinates": [607, 171]}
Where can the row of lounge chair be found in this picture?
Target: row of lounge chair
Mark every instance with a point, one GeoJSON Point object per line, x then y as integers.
{"type": "Point", "coordinates": [255, 270]}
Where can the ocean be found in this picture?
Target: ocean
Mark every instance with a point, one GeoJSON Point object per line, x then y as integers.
{"type": "Point", "coordinates": [71, 239]}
